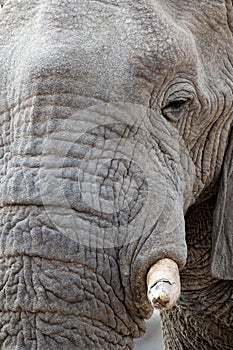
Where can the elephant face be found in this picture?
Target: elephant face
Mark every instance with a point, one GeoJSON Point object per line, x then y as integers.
{"type": "Point", "coordinates": [116, 118]}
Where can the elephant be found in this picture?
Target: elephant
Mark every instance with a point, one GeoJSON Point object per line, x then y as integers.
{"type": "Point", "coordinates": [116, 136]}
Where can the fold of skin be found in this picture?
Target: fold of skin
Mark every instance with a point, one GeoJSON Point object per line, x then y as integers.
{"type": "Point", "coordinates": [55, 293]}
{"type": "Point", "coordinates": [204, 310]}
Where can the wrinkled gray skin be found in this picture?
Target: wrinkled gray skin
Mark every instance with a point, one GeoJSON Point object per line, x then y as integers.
{"type": "Point", "coordinates": [58, 57]}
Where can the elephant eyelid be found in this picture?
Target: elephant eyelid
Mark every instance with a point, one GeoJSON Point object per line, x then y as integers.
{"type": "Point", "coordinates": [176, 104]}
{"type": "Point", "coordinates": [176, 109]}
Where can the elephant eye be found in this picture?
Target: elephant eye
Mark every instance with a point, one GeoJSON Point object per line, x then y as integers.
{"type": "Point", "coordinates": [176, 109]}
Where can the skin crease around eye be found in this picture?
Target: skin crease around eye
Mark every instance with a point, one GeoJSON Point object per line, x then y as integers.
{"type": "Point", "coordinates": [178, 99]}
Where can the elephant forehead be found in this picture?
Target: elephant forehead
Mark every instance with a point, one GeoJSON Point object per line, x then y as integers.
{"type": "Point", "coordinates": [102, 41]}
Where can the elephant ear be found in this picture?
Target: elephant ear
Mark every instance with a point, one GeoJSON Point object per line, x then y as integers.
{"type": "Point", "coordinates": [222, 246]}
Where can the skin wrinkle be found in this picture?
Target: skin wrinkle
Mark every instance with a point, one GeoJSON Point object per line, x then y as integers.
{"type": "Point", "coordinates": [214, 125]}
{"type": "Point", "coordinates": [212, 297]}
{"type": "Point", "coordinates": [96, 333]}
{"type": "Point", "coordinates": [220, 135]}
{"type": "Point", "coordinates": [58, 310]}
{"type": "Point", "coordinates": [217, 113]}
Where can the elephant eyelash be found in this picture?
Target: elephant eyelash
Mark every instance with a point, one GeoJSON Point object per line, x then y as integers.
{"type": "Point", "coordinates": [176, 104]}
{"type": "Point", "coordinates": [176, 109]}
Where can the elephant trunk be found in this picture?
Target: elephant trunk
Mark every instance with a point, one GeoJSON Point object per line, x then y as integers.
{"type": "Point", "coordinates": [56, 294]}
{"type": "Point", "coordinates": [87, 211]}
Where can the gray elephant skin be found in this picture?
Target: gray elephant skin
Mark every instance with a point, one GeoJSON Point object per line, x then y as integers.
{"type": "Point", "coordinates": [116, 152]}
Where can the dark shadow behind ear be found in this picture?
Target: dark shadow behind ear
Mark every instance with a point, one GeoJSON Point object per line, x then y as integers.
{"type": "Point", "coordinates": [222, 242]}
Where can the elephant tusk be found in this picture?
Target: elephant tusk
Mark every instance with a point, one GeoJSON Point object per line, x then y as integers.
{"type": "Point", "coordinates": [163, 284]}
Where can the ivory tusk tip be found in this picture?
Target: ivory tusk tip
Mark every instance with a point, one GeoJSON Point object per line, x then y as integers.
{"type": "Point", "coordinates": [163, 284]}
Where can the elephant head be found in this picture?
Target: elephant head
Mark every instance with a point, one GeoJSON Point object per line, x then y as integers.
{"type": "Point", "coordinates": [116, 120]}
